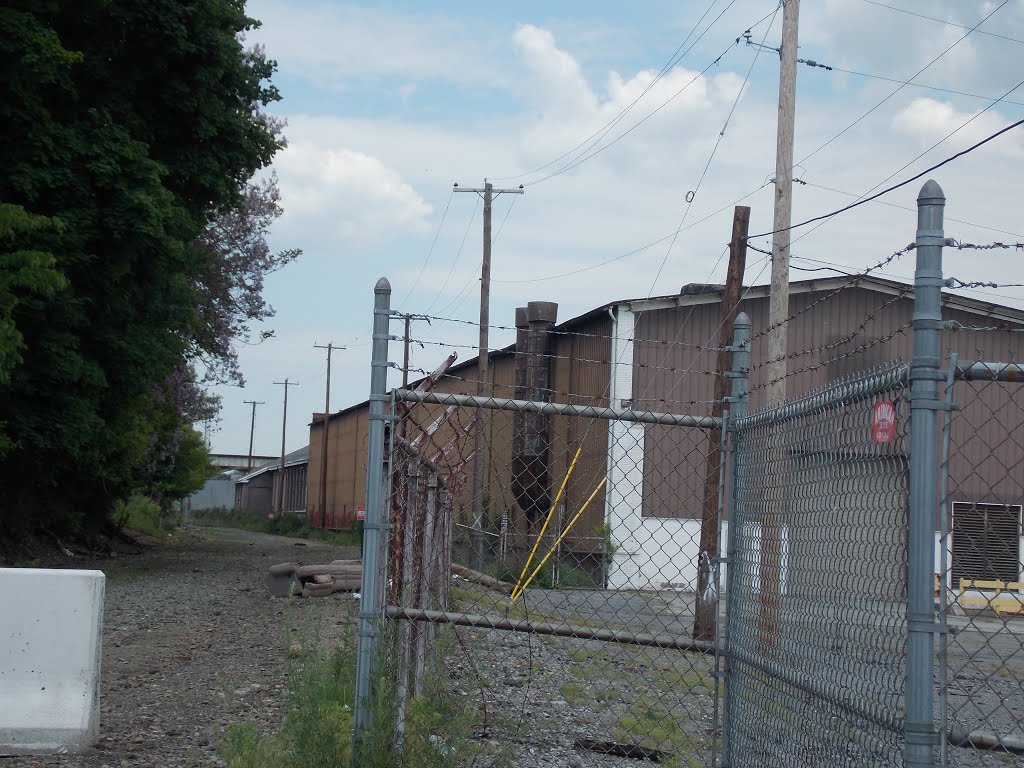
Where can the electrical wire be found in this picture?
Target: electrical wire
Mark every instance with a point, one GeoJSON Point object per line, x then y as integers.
{"type": "Point", "coordinates": [458, 255]}
{"type": "Point", "coordinates": [903, 85]}
{"type": "Point", "coordinates": [906, 208]}
{"type": "Point", "coordinates": [584, 157]}
{"type": "Point", "coordinates": [887, 190]}
{"type": "Point", "coordinates": [665, 69]}
{"type": "Point", "coordinates": [906, 82]}
{"type": "Point", "coordinates": [432, 244]}
{"type": "Point", "coordinates": [691, 196]}
{"type": "Point", "coordinates": [456, 303]}
{"type": "Point", "coordinates": [943, 21]}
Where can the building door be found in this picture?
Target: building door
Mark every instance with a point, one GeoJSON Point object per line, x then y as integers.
{"type": "Point", "coordinates": [986, 541]}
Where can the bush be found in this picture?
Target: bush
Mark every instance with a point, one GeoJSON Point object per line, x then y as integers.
{"type": "Point", "coordinates": [142, 514]}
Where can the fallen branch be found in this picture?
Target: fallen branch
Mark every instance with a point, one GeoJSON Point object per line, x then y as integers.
{"type": "Point", "coordinates": [482, 579]}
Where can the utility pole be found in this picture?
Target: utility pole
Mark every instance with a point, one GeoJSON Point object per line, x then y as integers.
{"type": "Point", "coordinates": [252, 426]}
{"type": "Point", "coordinates": [323, 446]}
{"type": "Point", "coordinates": [705, 620]}
{"type": "Point", "coordinates": [488, 192]}
{"type": "Point", "coordinates": [284, 426]}
{"type": "Point", "coordinates": [778, 308]}
{"type": "Point", "coordinates": [770, 574]}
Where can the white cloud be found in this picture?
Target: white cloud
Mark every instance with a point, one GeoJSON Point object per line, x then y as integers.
{"type": "Point", "coordinates": [349, 193]}
{"type": "Point", "coordinates": [333, 44]}
{"type": "Point", "coordinates": [930, 120]}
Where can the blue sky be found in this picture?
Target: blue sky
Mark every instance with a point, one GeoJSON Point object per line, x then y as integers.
{"type": "Point", "coordinates": [390, 103]}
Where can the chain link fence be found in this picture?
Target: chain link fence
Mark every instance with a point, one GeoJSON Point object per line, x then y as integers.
{"type": "Point", "coordinates": [552, 666]}
{"type": "Point", "coordinates": [817, 578]}
{"type": "Point", "coordinates": [543, 581]}
{"type": "Point", "coordinates": [979, 589]}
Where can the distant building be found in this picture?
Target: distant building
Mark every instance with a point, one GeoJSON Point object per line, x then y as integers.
{"type": "Point", "coordinates": [256, 493]}
{"type": "Point", "coordinates": [219, 491]}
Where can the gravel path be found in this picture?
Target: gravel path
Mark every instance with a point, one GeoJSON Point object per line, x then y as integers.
{"type": "Point", "coordinates": [194, 642]}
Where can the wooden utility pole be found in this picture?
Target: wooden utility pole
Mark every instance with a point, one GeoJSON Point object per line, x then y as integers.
{"type": "Point", "coordinates": [323, 445]}
{"type": "Point", "coordinates": [705, 620]}
{"type": "Point", "coordinates": [488, 192]}
{"type": "Point", "coordinates": [778, 308]}
{"type": "Point", "coordinates": [284, 426]}
{"type": "Point", "coordinates": [252, 426]}
{"type": "Point", "coordinates": [770, 573]}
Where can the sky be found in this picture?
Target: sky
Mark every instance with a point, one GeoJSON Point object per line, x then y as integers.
{"type": "Point", "coordinates": [389, 104]}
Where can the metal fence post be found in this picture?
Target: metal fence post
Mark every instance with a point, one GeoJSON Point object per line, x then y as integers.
{"type": "Point", "coordinates": [925, 374]}
{"type": "Point", "coordinates": [371, 604]}
{"type": "Point", "coordinates": [738, 401]}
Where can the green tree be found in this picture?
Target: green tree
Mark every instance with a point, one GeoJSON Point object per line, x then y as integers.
{"type": "Point", "coordinates": [136, 126]}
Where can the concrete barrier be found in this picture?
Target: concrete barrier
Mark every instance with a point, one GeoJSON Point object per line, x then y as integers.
{"type": "Point", "coordinates": [50, 633]}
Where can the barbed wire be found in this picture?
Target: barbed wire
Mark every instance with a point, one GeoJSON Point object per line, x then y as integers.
{"type": "Point", "coordinates": [700, 348]}
{"type": "Point", "coordinates": [953, 243]}
{"type": "Point", "coordinates": [841, 342]}
{"type": "Point", "coordinates": [824, 363]}
{"type": "Point", "coordinates": [956, 325]}
{"type": "Point", "coordinates": [850, 283]}
{"type": "Point", "coordinates": [578, 334]}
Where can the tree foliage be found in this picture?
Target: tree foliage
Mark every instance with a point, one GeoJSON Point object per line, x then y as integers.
{"type": "Point", "coordinates": [132, 238]}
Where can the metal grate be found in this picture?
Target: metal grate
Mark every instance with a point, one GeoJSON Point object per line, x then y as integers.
{"type": "Point", "coordinates": [986, 541]}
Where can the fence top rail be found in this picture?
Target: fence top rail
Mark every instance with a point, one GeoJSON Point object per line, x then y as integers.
{"type": "Point", "coordinates": [559, 409]}
{"type": "Point", "coordinates": [980, 371]}
{"type": "Point", "coordinates": [857, 387]}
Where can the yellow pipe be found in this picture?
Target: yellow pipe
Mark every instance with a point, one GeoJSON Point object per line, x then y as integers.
{"type": "Point", "coordinates": [559, 540]}
{"type": "Point", "coordinates": [558, 497]}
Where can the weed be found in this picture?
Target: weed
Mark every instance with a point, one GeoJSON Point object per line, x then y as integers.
{"type": "Point", "coordinates": [294, 526]}
{"type": "Point", "coordinates": [142, 514]}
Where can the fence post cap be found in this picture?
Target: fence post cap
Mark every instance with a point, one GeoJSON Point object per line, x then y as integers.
{"type": "Point", "coordinates": [382, 286]}
{"type": "Point", "coordinates": [931, 193]}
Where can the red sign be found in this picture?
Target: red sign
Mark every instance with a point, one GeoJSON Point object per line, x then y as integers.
{"type": "Point", "coordinates": [361, 512]}
{"type": "Point", "coordinates": [883, 422]}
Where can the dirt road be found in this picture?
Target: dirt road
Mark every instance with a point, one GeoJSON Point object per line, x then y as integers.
{"type": "Point", "coordinates": [193, 642]}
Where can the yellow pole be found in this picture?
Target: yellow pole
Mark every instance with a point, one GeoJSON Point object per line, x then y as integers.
{"type": "Point", "coordinates": [559, 540]}
{"type": "Point", "coordinates": [554, 506]}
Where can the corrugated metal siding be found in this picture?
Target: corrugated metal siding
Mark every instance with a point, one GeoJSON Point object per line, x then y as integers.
{"type": "Point", "coordinates": [580, 376]}
{"type": "Point", "coordinates": [673, 377]}
{"type": "Point", "coordinates": [831, 335]}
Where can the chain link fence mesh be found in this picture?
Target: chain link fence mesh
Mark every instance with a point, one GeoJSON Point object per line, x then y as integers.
{"type": "Point", "coordinates": [817, 578]}
{"type": "Point", "coordinates": [979, 589]}
{"type": "Point", "coordinates": [570, 671]}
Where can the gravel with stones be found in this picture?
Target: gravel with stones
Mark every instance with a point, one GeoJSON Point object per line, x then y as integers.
{"type": "Point", "coordinates": [194, 642]}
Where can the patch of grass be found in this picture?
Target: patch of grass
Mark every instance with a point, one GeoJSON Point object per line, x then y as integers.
{"type": "Point", "coordinates": [294, 526]}
{"type": "Point", "coordinates": [142, 514]}
{"type": "Point", "coordinates": [318, 727]}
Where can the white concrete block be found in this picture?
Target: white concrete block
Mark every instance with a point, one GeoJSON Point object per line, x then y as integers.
{"type": "Point", "coordinates": [51, 625]}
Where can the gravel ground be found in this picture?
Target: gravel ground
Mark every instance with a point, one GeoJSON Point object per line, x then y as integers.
{"type": "Point", "coordinates": [193, 642]}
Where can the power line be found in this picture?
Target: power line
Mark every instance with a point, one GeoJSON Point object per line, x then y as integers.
{"type": "Point", "coordinates": [922, 154]}
{"type": "Point", "coordinates": [665, 69]}
{"type": "Point", "coordinates": [690, 196]}
{"type": "Point", "coordinates": [907, 208]}
{"type": "Point", "coordinates": [458, 254]}
{"type": "Point", "coordinates": [635, 251]}
{"type": "Point", "coordinates": [943, 21]}
{"type": "Point", "coordinates": [432, 244]}
{"type": "Point", "coordinates": [903, 183]}
{"type": "Point", "coordinates": [832, 68]}
{"type": "Point", "coordinates": [903, 85]}
{"type": "Point", "coordinates": [584, 157]}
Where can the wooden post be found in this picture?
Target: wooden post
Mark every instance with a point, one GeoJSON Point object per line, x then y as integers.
{"type": "Point", "coordinates": [705, 620]}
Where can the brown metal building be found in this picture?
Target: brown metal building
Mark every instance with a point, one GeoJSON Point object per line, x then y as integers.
{"type": "Point", "coordinates": [659, 354]}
